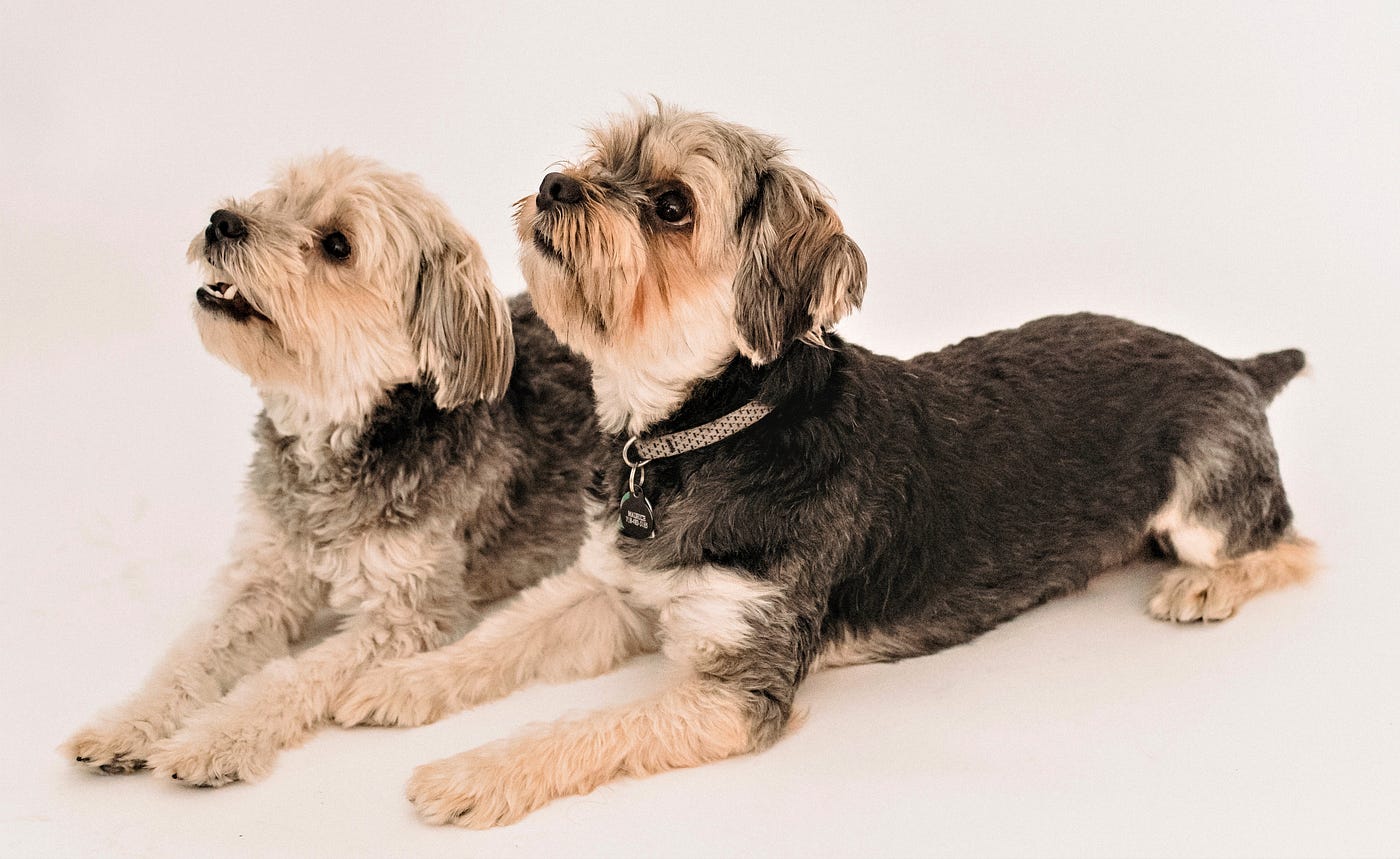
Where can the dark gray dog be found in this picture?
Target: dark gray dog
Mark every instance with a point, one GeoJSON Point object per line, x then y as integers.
{"type": "Point", "coordinates": [788, 501]}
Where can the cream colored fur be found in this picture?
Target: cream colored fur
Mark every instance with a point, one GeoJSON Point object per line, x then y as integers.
{"type": "Point", "coordinates": [413, 301]}
{"type": "Point", "coordinates": [579, 624]}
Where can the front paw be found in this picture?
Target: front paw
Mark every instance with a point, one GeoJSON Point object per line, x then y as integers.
{"type": "Point", "coordinates": [114, 747]}
{"type": "Point", "coordinates": [479, 789]}
{"type": "Point", "coordinates": [213, 754]}
{"type": "Point", "coordinates": [397, 693]}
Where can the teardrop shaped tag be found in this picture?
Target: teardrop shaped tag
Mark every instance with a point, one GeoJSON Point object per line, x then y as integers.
{"type": "Point", "coordinates": [636, 519]}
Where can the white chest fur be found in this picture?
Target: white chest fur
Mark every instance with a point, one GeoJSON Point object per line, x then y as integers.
{"type": "Point", "coordinates": [700, 610]}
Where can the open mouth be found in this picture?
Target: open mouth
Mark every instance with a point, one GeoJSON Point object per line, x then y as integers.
{"type": "Point", "coordinates": [546, 247]}
{"type": "Point", "coordinates": [226, 299]}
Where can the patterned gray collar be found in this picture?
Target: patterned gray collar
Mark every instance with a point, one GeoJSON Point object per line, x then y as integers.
{"type": "Point", "coordinates": [697, 437]}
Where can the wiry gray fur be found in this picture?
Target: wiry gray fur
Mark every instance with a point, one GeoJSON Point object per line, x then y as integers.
{"type": "Point", "coordinates": [423, 451]}
{"type": "Point", "coordinates": [478, 502]}
{"type": "Point", "coordinates": [511, 471]}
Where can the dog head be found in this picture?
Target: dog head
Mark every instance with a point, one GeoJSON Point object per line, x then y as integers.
{"type": "Point", "coordinates": [343, 279]}
{"type": "Point", "coordinates": [681, 232]}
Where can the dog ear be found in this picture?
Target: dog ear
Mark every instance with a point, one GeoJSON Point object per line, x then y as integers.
{"type": "Point", "coordinates": [460, 326]}
{"type": "Point", "coordinates": [799, 273]}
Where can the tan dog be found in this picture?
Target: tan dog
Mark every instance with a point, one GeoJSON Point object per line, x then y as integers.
{"type": "Point", "coordinates": [423, 450]}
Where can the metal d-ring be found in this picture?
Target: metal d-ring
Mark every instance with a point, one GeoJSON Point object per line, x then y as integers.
{"type": "Point", "coordinates": [626, 460]}
{"type": "Point", "coordinates": [637, 477]}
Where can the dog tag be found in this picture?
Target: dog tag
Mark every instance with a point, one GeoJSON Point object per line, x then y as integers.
{"type": "Point", "coordinates": [636, 519]}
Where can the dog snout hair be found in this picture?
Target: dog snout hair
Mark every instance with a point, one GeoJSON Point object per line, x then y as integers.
{"type": "Point", "coordinates": [558, 188]}
{"type": "Point", "coordinates": [225, 224]}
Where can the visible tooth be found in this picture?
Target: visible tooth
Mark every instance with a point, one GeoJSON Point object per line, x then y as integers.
{"type": "Point", "coordinates": [209, 288]}
{"type": "Point", "coordinates": [231, 291]}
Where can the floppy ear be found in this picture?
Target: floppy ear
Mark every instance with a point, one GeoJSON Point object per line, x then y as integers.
{"type": "Point", "coordinates": [799, 273]}
{"type": "Point", "coordinates": [460, 326]}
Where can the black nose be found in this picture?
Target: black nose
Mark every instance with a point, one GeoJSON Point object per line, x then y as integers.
{"type": "Point", "coordinates": [224, 224]}
{"type": "Point", "coordinates": [558, 188]}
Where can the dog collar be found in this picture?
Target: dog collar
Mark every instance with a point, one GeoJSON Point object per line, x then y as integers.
{"type": "Point", "coordinates": [695, 438]}
{"type": "Point", "coordinates": [636, 518]}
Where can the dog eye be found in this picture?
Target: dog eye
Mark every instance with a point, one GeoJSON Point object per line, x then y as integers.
{"type": "Point", "coordinates": [336, 245]}
{"type": "Point", "coordinates": [673, 207]}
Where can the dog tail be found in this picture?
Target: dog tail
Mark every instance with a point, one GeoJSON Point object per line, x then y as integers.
{"type": "Point", "coordinates": [1272, 370]}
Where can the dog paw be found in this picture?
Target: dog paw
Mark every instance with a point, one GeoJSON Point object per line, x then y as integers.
{"type": "Point", "coordinates": [396, 693]}
{"type": "Point", "coordinates": [212, 756]}
{"type": "Point", "coordinates": [479, 789]}
{"type": "Point", "coordinates": [114, 747]}
{"type": "Point", "coordinates": [1190, 594]}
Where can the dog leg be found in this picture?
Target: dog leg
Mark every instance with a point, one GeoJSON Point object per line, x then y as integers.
{"type": "Point", "coordinates": [696, 722]}
{"type": "Point", "coordinates": [266, 613]}
{"type": "Point", "coordinates": [1215, 591]}
{"type": "Point", "coordinates": [1228, 523]}
{"type": "Point", "coordinates": [567, 627]}
{"type": "Point", "coordinates": [745, 656]}
{"type": "Point", "coordinates": [238, 737]}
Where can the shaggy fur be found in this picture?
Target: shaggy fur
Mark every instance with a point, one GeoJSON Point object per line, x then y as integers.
{"type": "Point", "coordinates": [884, 509]}
{"type": "Point", "coordinates": [424, 450]}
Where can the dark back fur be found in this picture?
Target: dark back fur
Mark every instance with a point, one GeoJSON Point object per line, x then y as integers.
{"type": "Point", "coordinates": [946, 493]}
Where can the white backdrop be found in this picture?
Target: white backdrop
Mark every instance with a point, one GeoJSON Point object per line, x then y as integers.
{"type": "Point", "coordinates": [1226, 171]}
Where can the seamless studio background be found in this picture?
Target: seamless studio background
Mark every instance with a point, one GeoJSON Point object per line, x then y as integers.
{"type": "Point", "coordinates": [1222, 170]}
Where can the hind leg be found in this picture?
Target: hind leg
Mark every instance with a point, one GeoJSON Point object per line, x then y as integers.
{"type": "Point", "coordinates": [1229, 525]}
{"type": "Point", "coordinates": [1216, 590]}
